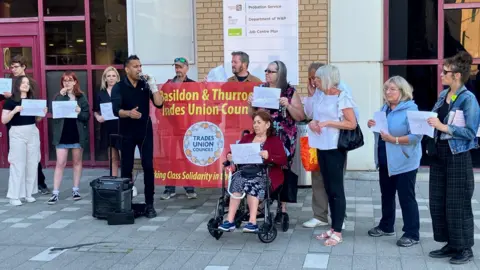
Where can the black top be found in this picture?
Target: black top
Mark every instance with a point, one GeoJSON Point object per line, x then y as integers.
{"type": "Point", "coordinates": [186, 79]}
{"type": "Point", "coordinates": [442, 114]}
{"type": "Point", "coordinates": [127, 97]}
{"type": "Point", "coordinates": [241, 79]}
{"type": "Point", "coordinates": [70, 131]}
{"type": "Point", "coordinates": [17, 119]}
{"type": "Point", "coordinates": [382, 148]}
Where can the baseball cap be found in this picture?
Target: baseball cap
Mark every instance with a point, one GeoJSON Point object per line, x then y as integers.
{"type": "Point", "coordinates": [180, 61]}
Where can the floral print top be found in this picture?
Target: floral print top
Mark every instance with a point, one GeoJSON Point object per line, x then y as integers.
{"type": "Point", "coordinates": [284, 124]}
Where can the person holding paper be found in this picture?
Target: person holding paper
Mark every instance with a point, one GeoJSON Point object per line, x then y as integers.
{"type": "Point", "coordinates": [331, 112]}
{"type": "Point", "coordinates": [284, 119]}
{"type": "Point", "coordinates": [131, 102]}
{"type": "Point", "coordinates": [250, 178]}
{"type": "Point", "coordinates": [110, 77]}
{"type": "Point", "coordinates": [18, 65]}
{"type": "Point", "coordinates": [451, 172]}
{"type": "Point", "coordinates": [397, 157]}
{"type": "Point", "coordinates": [24, 144]}
{"type": "Point", "coordinates": [181, 70]}
{"type": "Point", "coordinates": [70, 133]}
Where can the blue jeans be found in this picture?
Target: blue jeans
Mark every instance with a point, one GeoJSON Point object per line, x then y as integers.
{"type": "Point", "coordinates": [171, 189]}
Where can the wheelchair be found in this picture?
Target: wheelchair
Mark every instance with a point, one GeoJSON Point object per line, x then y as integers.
{"type": "Point", "coordinates": [267, 232]}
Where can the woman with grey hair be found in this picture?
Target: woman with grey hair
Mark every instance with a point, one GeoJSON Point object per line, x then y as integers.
{"type": "Point", "coordinates": [331, 112]}
{"type": "Point", "coordinates": [397, 156]}
{"type": "Point", "coordinates": [284, 120]}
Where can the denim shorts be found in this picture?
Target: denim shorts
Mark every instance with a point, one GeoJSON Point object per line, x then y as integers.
{"type": "Point", "coordinates": [69, 146]}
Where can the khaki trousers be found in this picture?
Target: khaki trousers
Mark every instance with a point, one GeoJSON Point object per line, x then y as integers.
{"type": "Point", "coordinates": [319, 196]}
{"type": "Point", "coordinates": [23, 156]}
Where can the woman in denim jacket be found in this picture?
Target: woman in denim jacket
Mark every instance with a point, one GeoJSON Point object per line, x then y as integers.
{"type": "Point", "coordinates": [397, 156]}
{"type": "Point", "coordinates": [451, 172]}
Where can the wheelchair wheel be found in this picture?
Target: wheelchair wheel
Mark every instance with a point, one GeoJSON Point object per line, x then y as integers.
{"type": "Point", "coordinates": [285, 222]}
{"type": "Point", "coordinates": [213, 227]}
{"type": "Point", "coordinates": [238, 219]}
{"type": "Point", "coordinates": [267, 234]}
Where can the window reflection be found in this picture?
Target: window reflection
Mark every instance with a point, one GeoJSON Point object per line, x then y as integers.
{"type": "Point", "coordinates": [63, 7]}
{"type": "Point", "coordinates": [462, 31]}
{"type": "Point", "coordinates": [424, 82]}
{"type": "Point", "coordinates": [65, 43]}
{"type": "Point", "coordinates": [461, 1]}
{"type": "Point", "coordinates": [413, 29]}
{"type": "Point", "coordinates": [108, 20]}
{"type": "Point", "coordinates": [10, 52]}
{"type": "Point", "coordinates": [18, 9]}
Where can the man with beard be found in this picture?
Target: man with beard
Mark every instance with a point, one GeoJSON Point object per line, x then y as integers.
{"type": "Point", "coordinates": [181, 70]}
{"type": "Point", "coordinates": [18, 65]}
{"type": "Point", "coordinates": [131, 103]}
{"type": "Point", "coordinates": [240, 61]}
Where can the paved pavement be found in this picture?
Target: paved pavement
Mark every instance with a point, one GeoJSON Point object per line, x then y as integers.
{"type": "Point", "coordinates": [178, 238]}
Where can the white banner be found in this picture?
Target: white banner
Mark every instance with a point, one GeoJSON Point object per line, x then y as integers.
{"type": "Point", "coordinates": [266, 31]}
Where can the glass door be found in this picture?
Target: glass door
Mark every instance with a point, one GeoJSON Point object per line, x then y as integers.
{"type": "Point", "coordinates": [9, 48]}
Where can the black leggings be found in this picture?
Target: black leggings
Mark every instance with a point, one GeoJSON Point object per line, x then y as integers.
{"type": "Point", "coordinates": [332, 164]}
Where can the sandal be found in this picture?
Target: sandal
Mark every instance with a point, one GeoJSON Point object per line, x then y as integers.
{"type": "Point", "coordinates": [333, 240]}
{"type": "Point", "coordinates": [325, 235]}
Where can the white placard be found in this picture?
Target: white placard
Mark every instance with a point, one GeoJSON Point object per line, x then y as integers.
{"type": "Point", "coordinates": [381, 123]}
{"type": "Point", "coordinates": [266, 97]}
{"type": "Point", "coordinates": [64, 109]}
{"type": "Point", "coordinates": [5, 85]}
{"type": "Point", "coordinates": [106, 110]}
{"type": "Point", "coordinates": [266, 30]}
{"type": "Point", "coordinates": [217, 74]}
{"type": "Point", "coordinates": [418, 123]}
{"type": "Point", "coordinates": [246, 153]}
{"type": "Point", "coordinates": [33, 107]}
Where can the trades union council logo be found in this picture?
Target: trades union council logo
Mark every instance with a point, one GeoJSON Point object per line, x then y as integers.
{"type": "Point", "coordinates": [203, 143]}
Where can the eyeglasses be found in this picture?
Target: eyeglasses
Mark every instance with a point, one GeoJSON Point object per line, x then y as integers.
{"type": "Point", "coordinates": [181, 60]}
{"type": "Point", "coordinates": [68, 81]}
{"type": "Point", "coordinates": [270, 71]}
{"type": "Point", "coordinates": [445, 72]}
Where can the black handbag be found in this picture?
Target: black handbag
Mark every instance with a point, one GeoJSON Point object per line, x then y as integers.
{"type": "Point", "coordinates": [289, 188]}
{"type": "Point", "coordinates": [349, 140]}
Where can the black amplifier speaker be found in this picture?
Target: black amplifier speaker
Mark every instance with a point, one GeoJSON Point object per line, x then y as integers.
{"type": "Point", "coordinates": [111, 196]}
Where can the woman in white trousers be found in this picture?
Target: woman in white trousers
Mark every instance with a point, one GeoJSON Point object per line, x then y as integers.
{"type": "Point", "coordinates": [24, 143]}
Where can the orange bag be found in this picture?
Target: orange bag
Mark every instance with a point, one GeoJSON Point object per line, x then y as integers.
{"type": "Point", "coordinates": [308, 155]}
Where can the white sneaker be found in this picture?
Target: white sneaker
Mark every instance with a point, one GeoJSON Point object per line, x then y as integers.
{"type": "Point", "coordinates": [312, 223]}
{"type": "Point", "coordinates": [134, 191]}
{"type": "Point", "coordinates": [15, 202]}
{"type": "Point", "coordinates": [30, 199]}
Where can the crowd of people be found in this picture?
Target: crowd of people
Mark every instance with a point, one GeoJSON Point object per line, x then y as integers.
{"type": "Point", "coordinates": [331, 112]}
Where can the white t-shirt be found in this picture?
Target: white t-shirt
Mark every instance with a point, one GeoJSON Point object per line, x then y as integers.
{"type": "Point", "coordinates": [328, 108]}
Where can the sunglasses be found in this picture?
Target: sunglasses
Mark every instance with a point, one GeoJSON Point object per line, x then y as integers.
{"type": "Point", "coordinates": [270, 71]}
{"type": "Point", "coordinates": [445, 72]}
{"type": "Point", "coordinates": [181, 60]}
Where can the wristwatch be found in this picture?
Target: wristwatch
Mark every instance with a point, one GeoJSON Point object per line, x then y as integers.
{"type": "Point", "coordinates": [396, 140]}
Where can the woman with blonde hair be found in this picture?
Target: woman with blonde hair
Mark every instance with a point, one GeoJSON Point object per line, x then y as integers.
{"type": "Point", "coordinates": [109, 78]}
{"type": "Point", "coordinates": [397, 157]}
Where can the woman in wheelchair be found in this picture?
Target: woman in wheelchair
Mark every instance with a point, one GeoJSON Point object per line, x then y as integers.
{"type": "Point", "coordinates": [251, 178]}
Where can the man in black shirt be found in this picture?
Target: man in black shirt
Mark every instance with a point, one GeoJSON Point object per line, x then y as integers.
{"type": "Point", "coordinates": [131, 103]}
